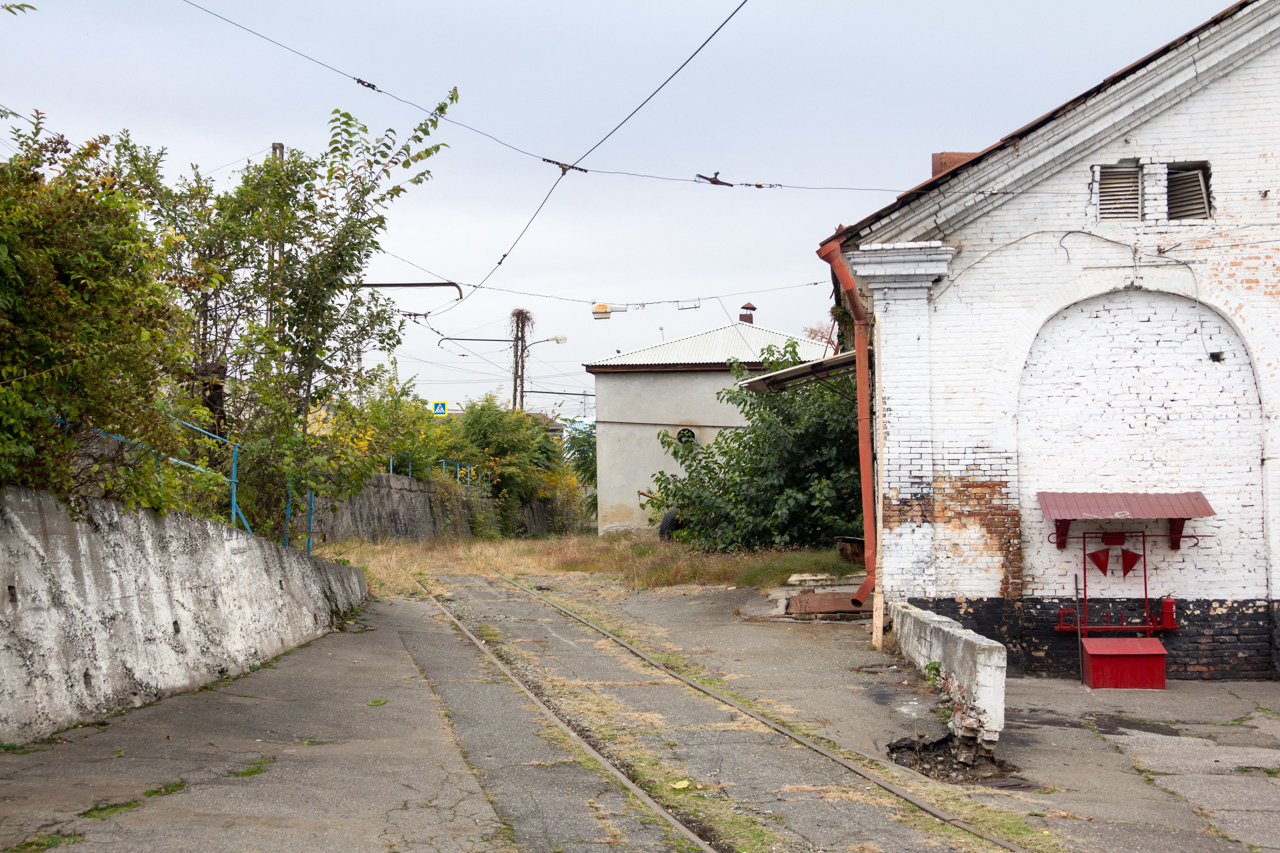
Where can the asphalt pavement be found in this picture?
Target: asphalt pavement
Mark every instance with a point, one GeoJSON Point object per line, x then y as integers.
{"type": "Point", "coordinates": [398, 735]}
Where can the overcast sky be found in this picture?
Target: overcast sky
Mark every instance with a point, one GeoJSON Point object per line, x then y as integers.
{"type": "Point", "coordinates": [818, 94]}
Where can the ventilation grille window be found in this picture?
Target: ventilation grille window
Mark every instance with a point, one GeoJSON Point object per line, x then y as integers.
{"type": "Point", "coordinates": [1189, 193]}
{"type": "Point", "coordinates": [1119, 192]}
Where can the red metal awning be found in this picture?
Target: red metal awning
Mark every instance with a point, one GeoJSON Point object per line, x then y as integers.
{"type": "Point", "coordinates": [1077, 506]}
{"type": "Point", "coordinates": [1062, 508]}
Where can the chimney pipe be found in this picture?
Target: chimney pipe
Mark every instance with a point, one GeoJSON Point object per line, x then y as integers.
{"type": "Point", "coordinates": [747, 316]}
{"type": "Point", "coordinates": [945, 161]}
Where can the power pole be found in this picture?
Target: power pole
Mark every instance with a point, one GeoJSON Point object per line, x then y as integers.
{"type": "Point", "coordinates": [273, 255]}
{"type": "Point", "coordinates": [521, 323]}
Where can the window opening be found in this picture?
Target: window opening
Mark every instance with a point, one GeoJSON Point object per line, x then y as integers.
{"type": "Point", "coordinates": [1188, 192]}
{"type": "Point", "coordinates": [1119, 192]}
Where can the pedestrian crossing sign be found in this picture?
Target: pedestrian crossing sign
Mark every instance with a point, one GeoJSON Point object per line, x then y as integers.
{"type": "Point", "coordinates": [440, 408]}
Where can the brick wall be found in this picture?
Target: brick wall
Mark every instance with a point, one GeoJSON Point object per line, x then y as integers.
{"type": "Point", "coordinates": [1219, 639]}
{"type": "Point", "coordinates": [1120, 393]}
{"type": "Point", "coordinates": [1062, 352]}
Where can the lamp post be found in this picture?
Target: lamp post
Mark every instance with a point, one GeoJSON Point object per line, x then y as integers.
{"type": "Point", "coordinates": [520, 351]}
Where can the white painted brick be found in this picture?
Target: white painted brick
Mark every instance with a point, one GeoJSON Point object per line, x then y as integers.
{"type": "Point", "coordinates": [1041, 363]}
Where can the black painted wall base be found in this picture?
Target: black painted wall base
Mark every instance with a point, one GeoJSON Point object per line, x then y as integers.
{"type": "Point", "coordinates": [1218, 639]}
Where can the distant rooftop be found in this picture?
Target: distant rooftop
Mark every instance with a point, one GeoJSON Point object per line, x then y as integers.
{"type": "Point", "coordinates": [710, 350]}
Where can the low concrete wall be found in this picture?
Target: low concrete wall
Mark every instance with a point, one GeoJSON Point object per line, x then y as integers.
{"type": "Point", "coordinates": [392, 506]}
{"type": "Point", "coordinates": [123, 608]}
{"type": "Point", "coordinates": [972, 670]}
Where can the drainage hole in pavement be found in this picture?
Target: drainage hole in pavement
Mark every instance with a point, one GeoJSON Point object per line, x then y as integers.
{"type": "Point", "coordinates": [940, 759]}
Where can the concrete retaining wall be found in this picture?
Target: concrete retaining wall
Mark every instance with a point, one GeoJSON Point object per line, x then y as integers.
{"type": "Point", "coordinates": [393, 506]}
{"type": "Point", "coordinates": [972, 671]}
{"type": "Point", "coordinates": [123, 608]}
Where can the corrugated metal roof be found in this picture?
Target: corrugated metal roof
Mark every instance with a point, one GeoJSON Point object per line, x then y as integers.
{"type": "Point", "coordinates": [741, 341]}
{"type": "Point", "coordinates": [1073, 506]}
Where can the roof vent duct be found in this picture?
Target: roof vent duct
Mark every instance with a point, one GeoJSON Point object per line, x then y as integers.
{"type": "Point", "coordinates": [945, 161]}
{"type": "Point", "coordinates": [747, 316]}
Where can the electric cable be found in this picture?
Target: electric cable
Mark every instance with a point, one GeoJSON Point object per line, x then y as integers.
{"type": "Point", "coordinates": [238, 159]}
{"type": "Point", "coordinates": [564, 170]}
{"type": "Point", "coordinates": [664, 83]}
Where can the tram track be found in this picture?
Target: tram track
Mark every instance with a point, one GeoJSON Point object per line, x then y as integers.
{"type": "Point", "coordinates": [682, 826]}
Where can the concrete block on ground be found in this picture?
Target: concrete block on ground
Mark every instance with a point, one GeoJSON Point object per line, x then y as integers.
{"type": "Point", "coordinates": [971, 670]}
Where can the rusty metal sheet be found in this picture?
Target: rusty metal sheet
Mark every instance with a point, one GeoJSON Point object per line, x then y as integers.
{"type": "Point", "coordinates": [823, 602]}
{"type": "Point", "coordinates": [1079, 506]}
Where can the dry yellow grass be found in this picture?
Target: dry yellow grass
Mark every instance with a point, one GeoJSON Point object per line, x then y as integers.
{"type": "Point", "coordinates": [639, 561]}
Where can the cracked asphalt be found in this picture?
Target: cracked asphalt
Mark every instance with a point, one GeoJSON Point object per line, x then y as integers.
{"type": "Point", "coordinates": [398, 735]}
{"type": "Point", "coordinates": [337, 774]}
{"type": "Point", "coordinates": [1195, 767]}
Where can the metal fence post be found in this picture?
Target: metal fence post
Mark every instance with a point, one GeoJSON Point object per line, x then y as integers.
{"type": "Point", "coordinates": [235, 463]}
{"type": "Point", "coordinates": [311, 510]}
{"type": "Point", "coordinates": [288, 510]}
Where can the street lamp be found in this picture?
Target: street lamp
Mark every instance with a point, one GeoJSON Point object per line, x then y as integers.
{"type": "Point", "coordinates": [521, 351]}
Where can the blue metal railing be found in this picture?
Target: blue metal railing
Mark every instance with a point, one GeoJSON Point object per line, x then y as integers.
{"type": "Point", "coordinates": [459, 467]}
{"type": "Point", "coordinates": [311, 512]}
{"type": "Point", "coordinates": [236, 512]}
{"type": "Point", "coordinates": [445, 466]}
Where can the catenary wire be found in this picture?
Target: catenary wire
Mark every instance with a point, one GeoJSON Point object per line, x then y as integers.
{"type": "Point", "coordinates": [565, 170]}
{"type": "Point", "coordinates": [664, 83]}
{"type": "Point", "coordinates": [543, 159]}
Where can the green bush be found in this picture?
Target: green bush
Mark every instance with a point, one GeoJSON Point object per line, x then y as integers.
{"type": "Point", "coordinates": [789, 478]}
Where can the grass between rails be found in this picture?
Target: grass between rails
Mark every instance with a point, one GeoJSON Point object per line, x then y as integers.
{"type": "Point", "coordinates": [999, 822]}
{"type": "Point", "coordinates": [639, 561]}
{"type": "Point", "coordinates": [44, 842]}
{"type": "Point", "coordinates": [105, 811]}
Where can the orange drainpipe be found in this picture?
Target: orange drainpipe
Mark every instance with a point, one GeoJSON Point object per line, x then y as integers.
{"type": "Point", "coordinates": [830, 252]}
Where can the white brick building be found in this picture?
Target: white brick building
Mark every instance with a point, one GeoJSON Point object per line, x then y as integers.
{"type": "Point", "coordinates": [1091, 305]}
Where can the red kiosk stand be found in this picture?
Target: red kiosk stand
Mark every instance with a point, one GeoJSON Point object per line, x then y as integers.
{"type": "Point", "coordinates": [1111, 661]}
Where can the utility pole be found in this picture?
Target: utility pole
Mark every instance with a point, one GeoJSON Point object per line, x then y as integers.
{"type": "Point", "coordinates": [521, 323]}
{"type": "Point", "coordinates": [273, 254]}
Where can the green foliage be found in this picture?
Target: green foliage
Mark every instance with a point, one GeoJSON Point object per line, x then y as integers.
{"type": "Point", "coordinates": [507, 449]}
{"type": "Point", "coordinates": [789, 478]}
{"type": "Point", "coordinates": [166, 790]}
{"type": "Point", "coordinates": [513, 443]}
{"type": "Point", "coordinates": [270, 272]}
{"type": "Point", "coordinates": [89, 335]}
{"type": "Point", "coordinates": [580, 453]}
{"type": "Point", "coordinates": [44, 842]}
{"type": "Point", "coordinates": [110, 810]}
{"type": "Point", "coordinates": [127, 303]}
{"type": "Point", "coordinates": [932, 672]}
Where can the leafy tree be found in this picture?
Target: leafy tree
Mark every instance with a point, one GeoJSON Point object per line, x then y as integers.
{"type": "Point", "coordinates": [122, 296]}
{"type": "Point", "coordinates": [789, 478]}
{"type": "Point", "coordinates": [513, 443]}
{"type": "Point", "coordinates": [580, 454]}
{"type": "Point", "coordinates": [89, 335]}
{"type": "Point", "coordinates": [270, 273]}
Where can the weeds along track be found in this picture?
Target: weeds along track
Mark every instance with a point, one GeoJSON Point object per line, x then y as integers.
{"type": "Point", "coordinates": [622, 777]}
{"type": "Point", "coordinates": [690, 820]}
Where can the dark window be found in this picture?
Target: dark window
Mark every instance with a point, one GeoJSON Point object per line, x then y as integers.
{"type": "Point", "coordinates": [1119, 192]}
{"type": "Point", "coordinates": [1188, 192]}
